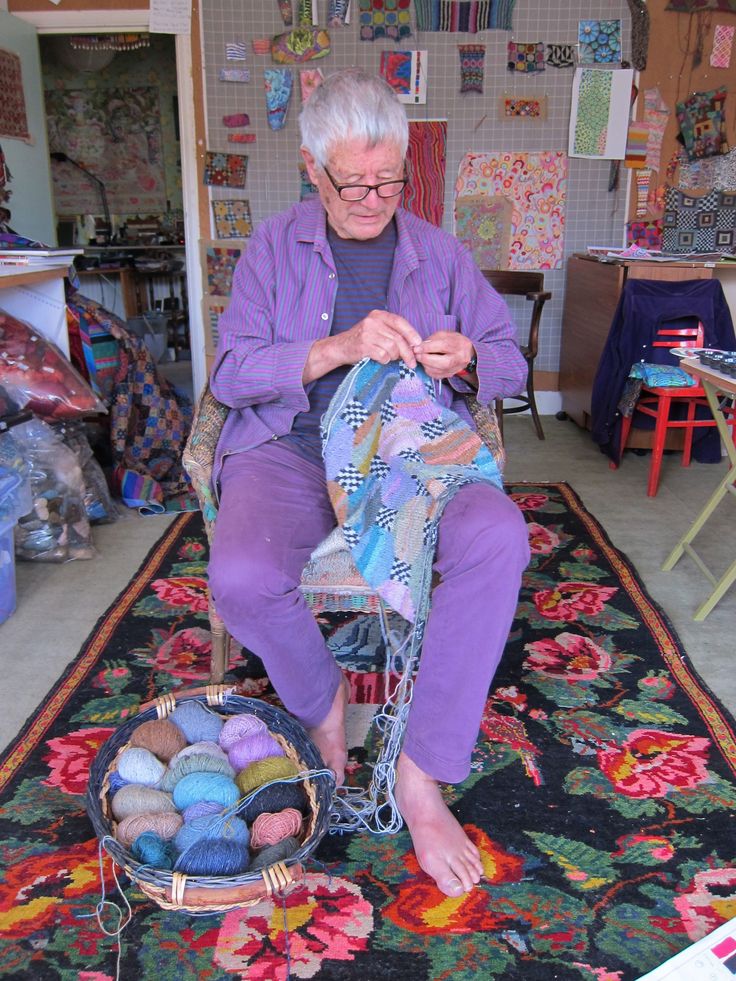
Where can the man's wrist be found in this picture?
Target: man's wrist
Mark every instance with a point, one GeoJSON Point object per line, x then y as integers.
{"type": "Point", "coordinates": [471, 366]}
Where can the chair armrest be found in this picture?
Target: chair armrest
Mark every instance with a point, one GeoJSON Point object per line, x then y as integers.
{"type": "Point", "coordinates": [199, 452]}
{"type": "Point", "coordinates": [539, 297]}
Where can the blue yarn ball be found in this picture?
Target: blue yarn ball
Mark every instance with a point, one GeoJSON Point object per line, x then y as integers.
{"type": "Point", "coordinates": [138, 765]}
{"type": "Point", "coordinates": [274, 853]}
{"type": "Point", "coordinates": [116, 782]}
{"type": "Point", "coordinates": [214, 857]}
{"type": "Point", "coordinates": [212, 826]}
{"type": "Point", "coordinates": [200, 809]}
{"type": "Point", "coordinates": [151, 849]}
{"type": "Point", "coordinates": [197, 722]}
{"type": "Point", "coordinates": [195, 763]}
{"type": "Point", "coordinates": [205, 786]}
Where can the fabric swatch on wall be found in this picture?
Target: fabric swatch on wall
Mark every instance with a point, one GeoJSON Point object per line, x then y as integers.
{"type": "Point", "coordinates": [702, 122]}
{"type": "Point", "coordinates": [13, 119]}
{"type": "Point", "coordinates": [384, 19]}
{"type": "Point", "coordinates": [300, 45]}
{"type": "Point", "coordinates": [306, 187]}
{"type": "Point", "coordinates": [236, 119]}
{"type": "Point", "coordinates": [699, 224]}
{"type": "Point", "coordinates": [219, 265]}
{"type": "Point", "coordinates": [532, 108]}
{"type": "Point", "coordinates": [656, 114]}
{"type": "Point", "coordinates": [261, 45]}
{"type": "Point", "coordinates": [537, 186]}
{"type": "Point", "coordinates": [241, 137]}
{"type": "Point", "coordinates": [561, 55]}
{"type": "Point", "coordinates": [643, 180]}
{"type": "Point", "coordinates": [306, 13]}
{"type": "Point", "coordinates": [309, 79]}
{"type": "Point", "coordinates": [234, 75]}
{"type": "Point", "coordinates": [406, 73]}
{"type": "Point", "coordinates": [701, 174]}
{"type": "Point", "coordinates": [235, 51]}
{"type": "Point", "coordinates": [720, 56]}
{"type": "Point", "coordinates": [425, 169]}
{"type": "Point", "coordinates": [525, 57]}
{"type": "Point", "coordinates": [636, 145]}
{"type": "Point", "coordinates": [645, 234]}
{"type": "Point", "coordinates": [600, 41]}
{"type": "Point", "coordinates": [225, 169]}
{"type": "Point", "coordinates": [464, 16]}
{"type": "Point", "coordinates": [286, 11]}
{"type": "Point", "coordinates": [214, 307]}
{"type": "Point", "coordinates": [278, 83]}
{"type": "Point", "coordinates": [691, 6]}
{"type": "Point", "coordinates": [232, 219]}
{"type": "Point", "coordinates": [337, 13]}
{"type": "Point", "coordinates": [472, 64]}
{"type": "Point", "coordinates": [483, 223]}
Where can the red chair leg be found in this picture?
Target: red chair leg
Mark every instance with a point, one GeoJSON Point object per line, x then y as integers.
{"type": "Point", "coordinates": [660, 434]}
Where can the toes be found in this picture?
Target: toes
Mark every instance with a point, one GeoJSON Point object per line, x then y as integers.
{"type": "Point", "coordinates": [451, 887]}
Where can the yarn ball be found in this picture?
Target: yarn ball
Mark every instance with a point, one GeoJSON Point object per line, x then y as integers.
{"type": "Point", "coordinates": [257, 746]}
{"type": "Point", "coordinates": [214, 857]}
{"type": "Point", "coordinates": [237, 727]}
{"type": "Point", "coordinates": [211, 826]}
{"type": "Point", "coordinates": [276, 797]}
{"type": "Point", "coordinates": [115, 781]}
{"type": "Point", "coordinates": [204, 746]}
{"type": "Point", "coordinates": [200, 809]}
{"type": "Point", "coordinates": [196, 763]}
{"type": "Point", "coordinates": [260, 772]}
{"type": "Point", "coordinates": [151, 849]}
{"type": "Point", "coordinates": [138, 765]}
{"type": "Point", "coordinates": [160, 736]}
{"type": "Point", "coordinates": [165, 825]}
{"type": "Point", "coordinates": [196, 721]}
{"type": "Point", "coordinates": [274, 853]}
{"type": "Point", "coordinates": [268, 828]}
{"type": "Point", "coordinates": [205, 786]}
{"type": "Point", "coordinates": [136, 798]}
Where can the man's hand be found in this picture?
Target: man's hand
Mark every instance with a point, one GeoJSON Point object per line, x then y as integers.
{"type": "Point", "coordinates": [380, 336]}
{"type": "Point", "coordinates": [444, 354]}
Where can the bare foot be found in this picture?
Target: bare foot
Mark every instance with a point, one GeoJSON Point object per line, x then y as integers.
{"type": "Point", "coordinates": [329, 735]}
{"type": "Point", "coordinates": [442, 848]}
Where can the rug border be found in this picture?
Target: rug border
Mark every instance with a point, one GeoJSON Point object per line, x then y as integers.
{"type": "Point", "coordinates": [50, 706]}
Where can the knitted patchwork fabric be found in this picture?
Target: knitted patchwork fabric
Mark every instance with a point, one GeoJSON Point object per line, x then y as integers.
{"type": "Point", "coordinates": [393, 458]}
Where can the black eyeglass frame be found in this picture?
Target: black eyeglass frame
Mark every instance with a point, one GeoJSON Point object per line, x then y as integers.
{"type": "Point", "coordinates": [367, 187]}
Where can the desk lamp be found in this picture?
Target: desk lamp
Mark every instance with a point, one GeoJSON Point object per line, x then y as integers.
{"type": "Point", "coordinates": [63, 158]}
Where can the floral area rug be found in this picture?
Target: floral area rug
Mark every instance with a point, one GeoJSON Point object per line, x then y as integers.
{"type": "Point", "coordinates": [601, 796]}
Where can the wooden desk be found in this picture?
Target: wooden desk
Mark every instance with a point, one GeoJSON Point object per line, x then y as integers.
{"type": "Point", "coordinates": [128, 290]}
{"type": "Point", "coordinates": [713, 382]}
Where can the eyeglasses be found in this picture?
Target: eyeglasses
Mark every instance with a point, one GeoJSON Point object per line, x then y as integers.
{"type": "Point", "coordinates": [356, 192]}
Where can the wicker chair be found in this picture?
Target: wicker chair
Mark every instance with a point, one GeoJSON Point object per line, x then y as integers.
{"type": "Point", "coordinates": [330, 580]}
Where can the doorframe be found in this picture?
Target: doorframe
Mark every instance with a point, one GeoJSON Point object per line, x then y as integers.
{"type": "Point", "coordinates": [127, 21]}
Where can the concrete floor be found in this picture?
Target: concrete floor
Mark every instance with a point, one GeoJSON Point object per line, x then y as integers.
{"type": "Point", "coordinates": [59, 604]}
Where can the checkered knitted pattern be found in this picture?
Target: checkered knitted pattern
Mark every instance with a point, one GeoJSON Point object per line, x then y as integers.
{"type": "Point", "coordinates": [393, 457]}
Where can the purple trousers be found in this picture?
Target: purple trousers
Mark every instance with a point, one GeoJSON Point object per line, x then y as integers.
{"type": "Point", "coordinates": [274, 510]}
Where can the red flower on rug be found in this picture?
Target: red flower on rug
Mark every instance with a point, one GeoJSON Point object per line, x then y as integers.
{"type": "Point", "coordinates": [542, 541]}
{"type": "Point", "coordinates": [569, 600]}
{"type": "Point", "coordinates": [529, 502]}
{"type": "Point", "coordinates": [420, 907]}
{"type": "Point", "coordinates": [189, 592]}
{"type": "Point", "coordinates": [329, 921]}
{"type": "Point", "coordinates": [71, 756]}
{"type": "Point", "coordinates": [709, 901]}
{"type": "Point", "coordinates": [37, 889]}
{"type": "Point", "coordinates": [569, 657]}
{"type": "Point", "coordinates": [652, 763]}
{"type": "Point", "coordinates": [185, 654]}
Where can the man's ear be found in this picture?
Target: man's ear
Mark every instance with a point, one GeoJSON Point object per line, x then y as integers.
{"type": "Point", "coordinates": [312, 168]}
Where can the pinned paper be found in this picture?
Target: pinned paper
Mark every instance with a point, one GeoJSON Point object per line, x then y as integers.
{"type": "Point", "coordinates": [309, 80]}
{"type": "Point", "coordinates": [406, 73]}
{"type": "Point", "coordinates": [600, 41]}
{"type": "Point", "coordinates": [234, 74]}
{"type": "Point", "coordinates": [599, 113]}
{"type": "Point", "coordinates": [561, 55]}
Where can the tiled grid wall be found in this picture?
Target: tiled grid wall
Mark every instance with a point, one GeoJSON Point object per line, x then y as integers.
{"type": "Point", "coordinates": [593, 215]}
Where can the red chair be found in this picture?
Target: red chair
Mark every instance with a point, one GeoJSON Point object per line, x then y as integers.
{"type": "Point", "coordinates": [658, 403]}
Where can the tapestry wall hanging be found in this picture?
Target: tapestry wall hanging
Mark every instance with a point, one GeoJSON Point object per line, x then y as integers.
{"type": "Point", "coordinates": [699, 224]}
{"type": "Point", "coordinates": [116, 134]}
{"type": "Point", "coordinates": [406, 73]}
{"type": "Point", "coordinates": [483, 223]}
{"type": "Point", "coordinates": [13, 120]}
{"type": "Point", "coordinates": [219, 261]}
{"type": "Point", "coordinates": [702, 120]}
{"type": "Point", "coordinates": [232, 219]}
{"type": "Point", "coordinates": [599, 114]}
{"type": "Point", "coordinates": [536, 183]}
{"type": "Point", "coordinates": [425, 168]}
{"type": "Point", "coordinates": [464, 16]}
{"type": "Point", "coordinates": [384, 19]}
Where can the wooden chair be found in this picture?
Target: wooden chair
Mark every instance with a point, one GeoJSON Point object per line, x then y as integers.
{"type": "Point", "coordinates": [658, 402]}
{"type": "Point", "coordinates": [330, 581]}
{"type": "Point", "coordinates": [530, 285]}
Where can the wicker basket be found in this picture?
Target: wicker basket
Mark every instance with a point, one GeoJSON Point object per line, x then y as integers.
{"type": "Point", "coordinates": [197, 894]}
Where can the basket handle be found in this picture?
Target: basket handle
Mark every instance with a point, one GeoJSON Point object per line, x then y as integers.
{"type": "Point", "coordinates": [275, 880]}
{"type": "Point", "coordinates": [165, 704]}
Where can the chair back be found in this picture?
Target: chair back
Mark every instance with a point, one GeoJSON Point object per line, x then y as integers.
{"type": "Point", "coordinates": [510, 282]}
{"type": "Point", "coordinates": [680, 336]}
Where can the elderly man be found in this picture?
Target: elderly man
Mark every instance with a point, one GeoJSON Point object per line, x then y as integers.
{"type": "Point", "coordinates": [335, 279]}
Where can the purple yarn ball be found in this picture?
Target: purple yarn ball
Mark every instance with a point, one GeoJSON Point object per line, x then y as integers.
{"type": "Point", "coordinates": [255, 747]}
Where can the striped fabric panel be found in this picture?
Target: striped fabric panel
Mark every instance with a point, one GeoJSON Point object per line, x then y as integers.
{"type": "Point", "coordinates": [425, 163]}
{"type": "Point", "coordinates": [465, 16]}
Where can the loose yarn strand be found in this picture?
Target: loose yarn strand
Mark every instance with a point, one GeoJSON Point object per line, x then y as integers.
{"type": "Point", "coordinates": [123, 918]}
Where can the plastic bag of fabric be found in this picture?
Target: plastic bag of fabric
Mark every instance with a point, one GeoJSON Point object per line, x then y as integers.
{"type": "Point", "coordinates": [98, 503]}
{"type": "Point", "coordinates": [56, 529]}
{"type": "Point", "coordinates": [33, 365]}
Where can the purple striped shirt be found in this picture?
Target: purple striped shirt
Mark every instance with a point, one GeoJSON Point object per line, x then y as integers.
{"type": "Point", "coordinates": [283, 299]}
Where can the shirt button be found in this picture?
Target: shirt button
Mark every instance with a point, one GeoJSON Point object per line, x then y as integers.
{"type": "Point", "coordinates": [331, 276]}
{"type": "Point", "coordinates": [325, 316]}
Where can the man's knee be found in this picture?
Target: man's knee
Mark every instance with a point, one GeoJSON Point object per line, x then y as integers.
{"type": "Point", "coordinates": [241, 582]}
{"type": "Point", "coordinates": [490, 524]}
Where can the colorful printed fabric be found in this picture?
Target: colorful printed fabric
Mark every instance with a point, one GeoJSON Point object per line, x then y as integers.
{"type": "Point", "coordinates": [219, 266]}
{"type": "Point", "coordinates": [337, 13]}
{"type": "Point", "coordinates": [287, 14]}
{"type": "Point", "coordinates": [636, 145]}
{"type": "Point", "coordinates": [309, 79]}
{"type": "Point", "coordinates": [239, 75]}
{"type": "Point", "coordinates": [241, 137]}
{"type": "Point", "coordinates": [98, 330]}
{"type": "Point", "coordinates": [702, 122]}
{"type": "Point", "coordinates": [426, 157]}
{"type": "Point", "coordinates": [656, 114]}
{"type": "Point", "coordinates": [483, 223]}
{"type": "Point", "coordinates": [702, 174]}
{"type": "Point", "coordinates": [393, 458]}
{"type": "Point", "coordinates": [600, 41]}
{"type": "Point", "coordinates": [533, 108]}
{"type": "Point", "coordinates": [537, 186]}
{"type": "Point", "coordinates": [689, 6]}
{"type": "Point", "coordinates": [661, 375]}
{"type": "Point", "coordinates": [464, 16]}
{"type": "Point", "coordinates": [643, 181]}
{"type": "Point", "coordinates": [561, 55]}
{"type": "Point", "coordinates": [720, 56]}
{"type": "Point", "coordinates": [699, 224]}
{"type": "Point", "coordinates": [278, 83]}
{"type": "Point", "coordinates": [236, 119]}
{"type": "Point", "coordinates": [232, 219]}
{"type": "Point", "coordinates": [523, 57]}
{"type": "Point", "coordinates": [225, 169]}
{"type": "Point", "coordinates": [646, 234]}
{"type": "Point", "coordinates": [406, 73]}
{"type": "Point", "coordinates": [13, 118]}
{"type": "Point", "coordinates": [384, 19]}
{"type": "Point", "coordinates": [472, 58]}
{"type": "Point", "coordinates": [640, 25]}
{"type": "Point", "coordinates": [306, 13]}
{"type": "Point", "coordinates": [591, 124]}
{"type": "Point", "coordinates": [235, 51]}
{"type": "Point", "coordinates": [300, 45]}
